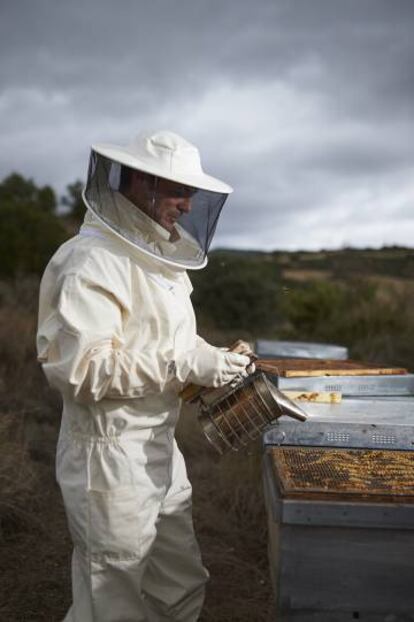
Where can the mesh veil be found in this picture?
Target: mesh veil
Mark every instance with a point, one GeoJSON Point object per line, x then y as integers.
{"type": "Point", "coordinates": [183, 241]}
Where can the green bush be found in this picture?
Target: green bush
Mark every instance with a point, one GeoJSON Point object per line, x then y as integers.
{"type": "Point", "coordinates": [356, 314]}
{"type": "Point", "coordinates": [30, 230]}
{"type": "Point", "coordinates": [237, 293]}
{"type": "Point", "coordinates": [18, 191]}
{"type": "Point", "coordinates": [74, 201]}
{"type": "Point", "coordinates": [28, 238]}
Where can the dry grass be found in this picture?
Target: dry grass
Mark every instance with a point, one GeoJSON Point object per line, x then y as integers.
{"type": "Point", "coordinates": [390, 288]}
{"type": "Point", "coordinates": [18, 482]}
{"type": "Point", "coordinates": [19, 374]}
{"type": "Point", "coordinates": [304, 276]}
{"type": "Point", "coordinates": [230, 521]}
{"type": "Point", "coordinates": [23, 399]}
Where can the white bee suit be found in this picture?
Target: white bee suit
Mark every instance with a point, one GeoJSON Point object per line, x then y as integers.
{"type": "Point", "coordinates": [117, 338]}
{"type": "Point", "coordinates": [123, 479]}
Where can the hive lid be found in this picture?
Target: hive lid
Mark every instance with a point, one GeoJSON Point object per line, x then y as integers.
{"type": "Point", "coordinates": [393, 411]}
{"type": "Point", "coordinates": [350, 386]}
{"type": "Point", "coordinates": [299, 349]}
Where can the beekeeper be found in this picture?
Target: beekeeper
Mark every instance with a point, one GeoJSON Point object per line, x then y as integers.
{"type": "Point", "coordinates": [117, 337]}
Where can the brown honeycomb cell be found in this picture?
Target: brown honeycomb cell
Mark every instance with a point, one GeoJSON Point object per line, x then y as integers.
{"type": "Point", "coordinates": [330, 472]}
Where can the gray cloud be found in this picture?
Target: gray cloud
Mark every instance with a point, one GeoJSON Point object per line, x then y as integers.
{"type": "Point", "coordinates": [304, 107]}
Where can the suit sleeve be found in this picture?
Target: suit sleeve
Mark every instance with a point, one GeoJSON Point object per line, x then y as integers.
{"type": "Point", "coordinates": [88, 358]}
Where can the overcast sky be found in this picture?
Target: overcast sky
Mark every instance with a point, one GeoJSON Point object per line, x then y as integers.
{"type": "Point", "coordinates": [306, 107]}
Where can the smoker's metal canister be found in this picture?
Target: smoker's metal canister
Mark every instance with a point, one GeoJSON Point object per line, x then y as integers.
{"type": "Point", "coordinates": [233, 418]}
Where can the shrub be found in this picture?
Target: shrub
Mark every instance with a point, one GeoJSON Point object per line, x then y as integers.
{"type": "Point", "coordinates": [30, 230]}
{"type": "Point", "coordinates": [356, 314]}
{"type": "Point", "coordinates": [237, 293]}
{"type": "Point", "coordinates": [28, 238]}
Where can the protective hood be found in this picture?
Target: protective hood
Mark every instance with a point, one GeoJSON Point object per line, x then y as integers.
{"type": "Point", "coordinates": [154, 194]}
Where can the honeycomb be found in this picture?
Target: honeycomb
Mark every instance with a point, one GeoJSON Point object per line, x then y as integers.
{"type": "Point", "coordinates": [331, 472]}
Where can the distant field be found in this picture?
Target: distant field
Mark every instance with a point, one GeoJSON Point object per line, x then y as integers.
{"type": "Point", "coordinates": [303, 276]}
{"type": "Point", "coordinates": [396, 283]}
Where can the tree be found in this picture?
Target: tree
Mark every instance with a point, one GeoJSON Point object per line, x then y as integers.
{"type": "Point", "coordinates": [237, 293]}
{"type": "Point", "coordinates": [17, 190]}
{"type": "Point", "coordinates": [73, 200]}
{"type": "Point", "coordinates": [30, 230]}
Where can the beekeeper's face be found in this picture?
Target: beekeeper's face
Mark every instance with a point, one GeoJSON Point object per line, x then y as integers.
{"type": "Point", "coordinates": [164, 200]}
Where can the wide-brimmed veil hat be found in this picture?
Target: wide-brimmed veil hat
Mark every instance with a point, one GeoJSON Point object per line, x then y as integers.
{"type": "Point", "coordinates": [176, 228]}
{"type": "Point", "coordinates": [164, 154]}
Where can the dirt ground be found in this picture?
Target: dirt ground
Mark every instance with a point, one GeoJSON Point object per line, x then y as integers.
{"type": "Point", "coordinates": [35, 546]}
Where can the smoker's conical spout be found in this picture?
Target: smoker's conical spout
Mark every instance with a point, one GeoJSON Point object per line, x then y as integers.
{"type": "Point", "coordinates": [286, 406]}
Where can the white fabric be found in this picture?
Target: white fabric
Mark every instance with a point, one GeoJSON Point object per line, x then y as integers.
{"type": "Point", "coordinates": [113, 327]}
{"type": "Point", "coordinates": [167, 155]}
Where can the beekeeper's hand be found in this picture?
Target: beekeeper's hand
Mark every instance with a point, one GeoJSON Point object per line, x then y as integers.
{"type": "Point", "coordinates": [250, 369]}
{"type": "Point", "coordinates": [243, 347]}
{"type": "Point", "coordinates": [211, 367]}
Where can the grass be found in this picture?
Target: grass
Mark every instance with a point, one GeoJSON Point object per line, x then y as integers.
{"type": "Point", "coordinates": [230, 521]}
